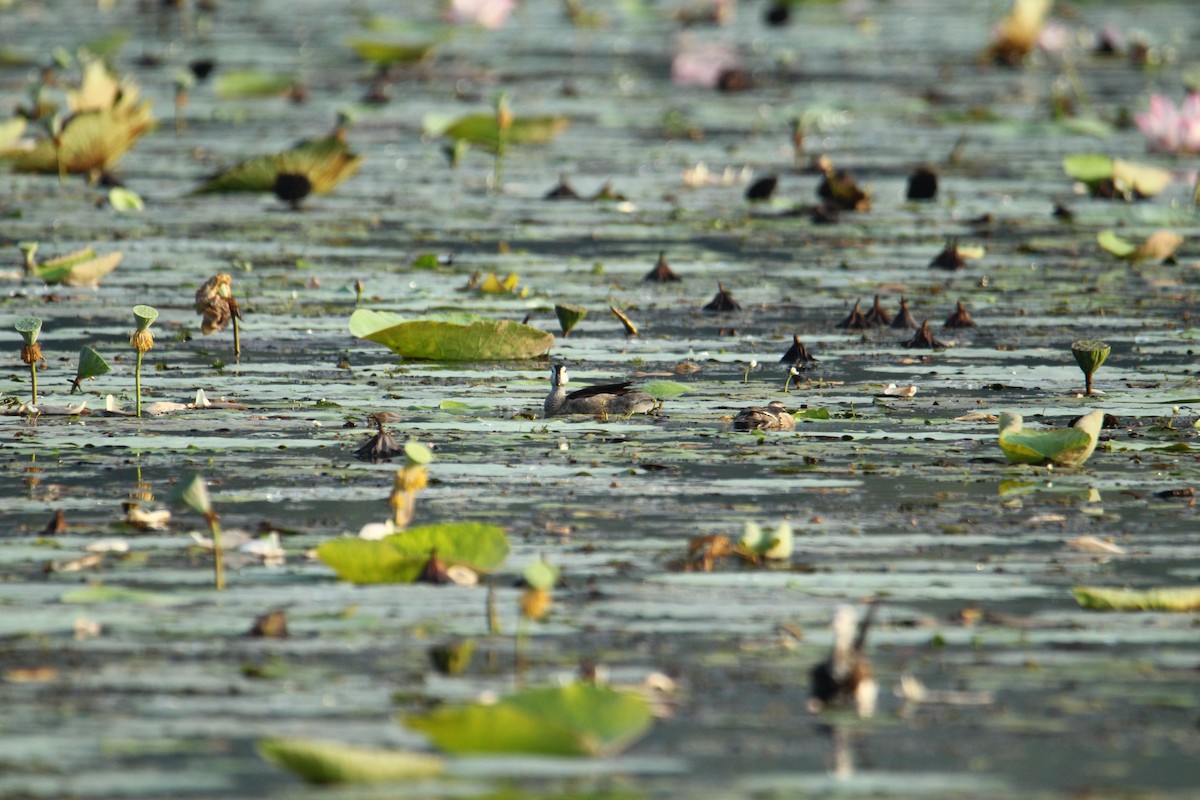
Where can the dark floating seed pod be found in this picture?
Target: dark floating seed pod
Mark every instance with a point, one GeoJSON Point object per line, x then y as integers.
{"type": "Point", "coordinates": [949, 259]}
{"type": "Point", "coordinates": [762, 189]}
{"type": "Point", "coordinates": [959, 319]}
{"type": "Point", "coordinates": [608, 194]}
{"type": "Point", "coordinates": [904, 319]}
{"type": "Point", "coordinates": [855, 321]}
{"type": "Point", "coordinates": [202, 68]}
{"type": "Point", "coordinates": [292, 188]}
{"type": "Point", "coordinates": [722, 302]}
{"type": "Point", "coordinates": [662, 272]}
{"type": "Point", "coordinates": [272, 625]}
{"type": "Point", "coordinates": [798, 356]}
{"type": "Point", "coordinates": [778, 14]}
{"type": "Point", "coordinates": [924, 338]}
{"type": "Point", "coordinates": [563, 191]}
{"type": "Point", "coordinates": [381, 446]}
{"type": "Point", "coordinates": [1063, 213]}
{"type": "Point", "coordinates": [839, 190]}
{"type": "Point", "coordinates": [878, 315]}
{"type": "Point", "coordinates": [735, 80]}
{"type": "Point", "coordinates": [922, 184]}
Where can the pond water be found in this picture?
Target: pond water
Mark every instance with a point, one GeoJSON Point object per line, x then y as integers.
{"type": "Point", "coordinates": [891, 498]}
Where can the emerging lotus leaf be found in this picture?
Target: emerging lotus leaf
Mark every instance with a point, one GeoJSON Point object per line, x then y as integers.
{"type": "Point", "coordinates": [1067, 447]}
{"type": "Point", "coordinates": [253, 83]}
{"type": "Point", "coordinates": [91, 365]}
{"type": "Point", "coordinates": [569, 316]}
{"type": "Point", "coordinates": [323, 163]}
{"type": "Point", "coordinates": [323, 762]}
{"type": "Point", "coordinates": [81, 268]}
{"type": "Point", "coordinates": [576, 720]}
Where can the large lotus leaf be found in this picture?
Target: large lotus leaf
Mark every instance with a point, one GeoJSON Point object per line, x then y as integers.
{"type": "Point", "coordinates": [399, 558]}
{"type": "Point", "coordinates": [482, 131]}
{"type": "Point", "coordinates": [576, 720]}
{"type": "Point", "coordinates": [252, 83]}
{"type": "Point", "coordinates": [664, 390]}
{"type": "Point", "coordinates": [1069, 447]}
{"type": "Point", "coordinates": [461, 338]}
{"type": "Point", "coordinates": [1183, 599]}
{"type": "Point", "coordinates": [326, 162]}
{"type": "Point", "coordinates": [91, 142]}
{"type": "Point", "coordinates": [82, 268]}
{"type": "Point", "coordinates": [332, 762]}
{"type": "Point", "coordinates": [1088, 167]}
{"type": "Point", "coordinates": [386, 54]}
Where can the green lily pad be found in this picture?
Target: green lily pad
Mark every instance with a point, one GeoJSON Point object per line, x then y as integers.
{"type": "Point", "coordinates": [1069, 447]}
{"type": "Point", "coordinates": [1159, 246]}
{"type": "Point", "coordinates": [125, 200]}
{"type": "Point", "coordinates": [324, 162]}
{"type": "Point", "coordinates": [482, 130]}
{"type": "Point", "coordinates": [577, 720]}
{"type": "Point", "coordinates": [1098, 598]}
{"type": "Point", "coordinates": [813, 413]}
{"type": "Point", "coordinates": [252, 83]}
{"type": "Point", "coordinates": [323, 762]}
{"type": "Point", "coordinates": [457, 337]}
{"type": "Point", "coordinates": [399, 558]}
{"type": "Point", "coordinates": [81, 268]}
{"type": "Point", "coordinates": [387, 54]}
{"type": "Point", "coordinates": [1089, 168]}
{"type": "Point", "coordinates": [664, 390]}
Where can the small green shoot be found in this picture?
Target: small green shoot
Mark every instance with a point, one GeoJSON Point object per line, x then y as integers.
{"type": "Point", "coordinates": [142, 341]}
{"type": "Point", "coordinates": [31, 353]}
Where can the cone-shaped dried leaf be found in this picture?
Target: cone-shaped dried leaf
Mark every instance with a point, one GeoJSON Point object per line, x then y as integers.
{"type": "Point", "coordinates": [324, 762]}
{"type": "Point", "coordinates": [722, 302]}
{"type": "Point", "coordinates": [82, 268]}
{"type": "Point", "coordinates": [840, 190]}
{"type": "Point", "coordinates": [563, 191]}
{"type": "Point", "coordinates": [460, 337]}
{"type": "Point", "coordinates": [581, 719]}
{"type": "Point", "coordinates": [904, 318]}
{"type": "Point", "coordinates": [797, 355]}
{"type": "Point", "coordinates": [959, 319]}
{"type": "Point", "coordinates": [380, 447]}
{"type": "Point", "coordinates": [192, 492]}
{"type": "Point", "coordinates": [878, 315]}
{"type": "Point", "coordinates": [324, 162]}
{"type": "Point", "coordinates": [1183, 599]}
{"type": "Point", "coordinates": [925, 338]}
{"type": "Point", "coordinates": [401, 557]}
{"type": "Point", "coordinates": [855, 320]}
{"type": "Point", "coordinates": [662, 272]}
{"type": "Point", "coordinates": [569, 316]}
{"type": "Point", "coordinates": [1069, 447]}
{"type": "Point", "coordinates": [482, 130]}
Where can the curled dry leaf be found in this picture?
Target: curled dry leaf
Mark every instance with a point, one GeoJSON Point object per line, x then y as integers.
{"type": "Point", "coordinates": [892, 390]}
{"type": "Point", "coordinates": [1091, 544]}
{"type": "Point", "coordinates": [991, 419]}
{"type": "Point", "coordinates": [214, 302]}
{"type": "Point", "coordinates": [144, 520]}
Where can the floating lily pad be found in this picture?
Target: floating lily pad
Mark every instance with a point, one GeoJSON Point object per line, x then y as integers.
{"type": "Point", "coordinates": [664, 390]}
{"type": "Point", "coordinates": [399, 558]}
{"type": "Point", "coordinates": [81, 268]}
{"type": "Point", "coordinates": [323, 762]}
{"type": "Point", "coordinates": [1108, 176]}
{"type": "Point", "coordinates": [324, 163]}
{"type": "Point", "coordinates": [1159, 246]}
{"type": "Point", "coordinates": [1098, 598]}
{"type": "Point", "coordinates": [252, 83]}
{"type": "Point", "coordinates": [482, 130]}
{"type": "Point", "coordinates": [1063, 446]}
{"type": "Point", "coordinates": [577, 720]}
{"type": "Point", "coordinates": [776, 545]}
{"type": "Point", "coordinates": [388, 54]}
{"type": "Point", "coordinates": [457, 337]}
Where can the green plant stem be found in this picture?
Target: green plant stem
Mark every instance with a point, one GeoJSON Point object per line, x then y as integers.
{"type": "Point", "coordinates": [137, 383]}
{"type": "Point", "coordinates": [237, 338]}
{"type": "Point", "coordinates": [33, 380]}
{"type": "Point", "coordinates": [218, 555]}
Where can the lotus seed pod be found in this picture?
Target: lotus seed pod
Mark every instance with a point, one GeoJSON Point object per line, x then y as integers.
{"type": "Point", "coordinates": [144, 316]}
{"type": "Point", "coordinates": [1089, 355]}
{"type": "Point", "coordinates": [29, 328]}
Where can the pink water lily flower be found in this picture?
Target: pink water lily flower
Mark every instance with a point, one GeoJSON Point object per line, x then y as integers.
{"type": "Point", "coordinates": [487, 13]}
{"type": "Point", "coordinates": [1169, 129]}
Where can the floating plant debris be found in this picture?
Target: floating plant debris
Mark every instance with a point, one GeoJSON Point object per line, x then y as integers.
{"type": "Point", "coordinates": [1114, 178]}
{"type": "Point", "coordinates": [797, 355]}
{"type": "Point", "coordinates": [722, 302]}
{"type": "Point", "coordinates": [762, 189]}
{"type": "Point", "coordinates": [766, 544]}
{"type": "Point", "coordinates": [81, 268]}
{"type": "Point", "coordinates": [381, 446]}
{"type": "Point", "coordinates": [904, 318]}
{"type": "Point", "coordinates": [1182, 599]}
{"type": "Point", "coordinates": [925, 338]}
{"type": "Point", "coordinates": [855, 320]}
{"type": "Point", "coordinates": [451, 337]}
{"type": "Point", "coordinates": [563, 191]}
{"type": "Point", "coordinates": [662, 272]}
{"type": "Point", "coordinates": [922, 184]}
{"type": "Point", "coordinates": [959, 319]}
{"type": "Point", "coordinates": [949, 258]}
{"type": "Point", "coordinates": [1159, 246]}
{"type": "Point", "coordinates": [846, 676]}
{"type": "Point", "coordinates": [91, 365]}
{"type": "Point", "coordinates": [322, 762]}
{"type": "Point", "coordinates": [774, 417]}
{"type": "Point", "coordinates": [839, 190]}
{"type": "Point", "coordinates": [878, 315]}
{"type": "Point", "coordinates": [626, 322]}
{"type": "Point", "coordinates": [217, 307]}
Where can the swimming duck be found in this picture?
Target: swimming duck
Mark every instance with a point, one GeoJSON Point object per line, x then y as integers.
{"type": "Point", "coordinates": [615, 399]}
{"type": "Point", "coordinates": [774, 417]}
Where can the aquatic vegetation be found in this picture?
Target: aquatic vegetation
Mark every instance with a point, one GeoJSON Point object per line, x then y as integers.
{"type": "Point", "coordinates": [1089, 355]}
{"type": "Point", "coordinates": [855, 320]}
{"type": "Point", "coordinates": [1017, 34]}
{"type": "Point", "coordinates": [877, 316]}
{"type": "Point", "coordinates": [626, 322]}
{"type": "Point", "coordinates": [776, 545]}
{"type": "Point", "coordinates": [569, 315]}
{"type": "Point", "coordinates": [495, 131]}
{"type": "Point", "coordinates": [839, 191]}
{"type": "Point", "coordinates": [81, 268]}
{"type": "Point", "coordinates": [1066, 447]}
{"type": "Point", "coordinates": [1114, 178]}
{"type": "Point", "coordinates": [922, 184]}
{"type": "Point", "coordinates": [142, 340]}
{"type": "Point", "coordinates": [217, 306]}
{"type": "Point", "coordinates": [1182, 599]}
{"type": "Point", "coordinates": [386, 54]}
{"type": "Point", "coordinates": [1159, 246]}
{"type": "Point", "coordinates": [314, 166]}
{"type": "Point", "coordinates": [1169, 128]}
{"type": "Point", "coordinates": [904, 318]}
{"type": "Point", "coordinates": [91, 365]}
{"type": "Point", "coordinates": [403, 557]}
{"type": "Point", "coordinates": [959, 319]}
{"type": "Point", "coordinates": [954, 257]}
{"type": "Point", "coordinates": [722, 302]}
{"type": "Point", "coordinates": [31, 353]}
{"type": "Point", "coordinates": [703, 65]}
{"type": "Point", "coordinates": [924, 338]}
{"type": "Point", "coordinates": [540, 579]}
{"type": "Point", "coordinates": [252, 83]}
{"type": "Point", "coordinates": [192, 492]}
{"type": "Point", "coordinates": [451, 337]}
{"type": "Point", "coordinates": [661, 272]}
{"type": "Point", "coordinates": [410, 480]}
{"type": "Point", "coordinates": [490, 14]}
{"type": "Point", "coordinates": [580, 719]}
{"type": "Point", "coordinates": [323, 762]}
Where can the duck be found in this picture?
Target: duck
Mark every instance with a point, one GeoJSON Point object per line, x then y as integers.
{"type": "Point", "coordinates": [613, 399]}
{"type": "Point", "coordinates": [846, 675]}
{"type": "Point", "coordinates": [774, 417]}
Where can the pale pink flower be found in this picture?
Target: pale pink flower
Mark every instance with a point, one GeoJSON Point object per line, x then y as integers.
{"type": "Point", "coordinates": [1169, 129]}
{"type": "Point", "coordinates": [700, 64]}
{"type": "Point", "coordinates": [487, 13]}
